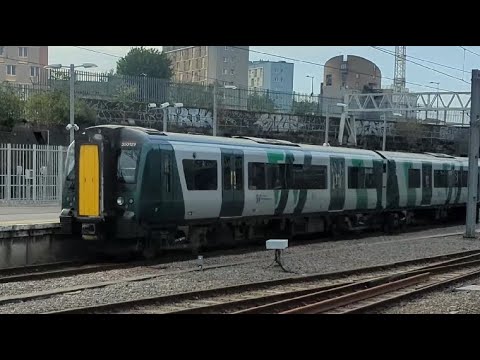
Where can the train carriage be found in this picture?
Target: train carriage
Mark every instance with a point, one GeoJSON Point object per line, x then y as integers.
{"type": "Point", "coordinates": [153, 190]}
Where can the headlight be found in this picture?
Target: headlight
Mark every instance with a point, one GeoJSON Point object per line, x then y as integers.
{"type": "Point", "coordinates": [120, 201]}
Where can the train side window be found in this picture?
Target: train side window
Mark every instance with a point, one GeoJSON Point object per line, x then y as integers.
{"type": "Point", "coordinates": [370, 181]}
{"type": "Point", "coordinates": [227, 173]}
{"type": "Point", "coordinates": [440, 178]}
{"type": "Point", "coordinates": [200, 174]}
{"type": "Point", "coordinates": [315, 177]}
{"type": "Point", "coordinates": [275, 176]}
{"type": "Point", "coordinates": [256, 176]}
{"type": "Point", "coordinates": [414, 178]}
{"type": "Point", "coordinates": [295, 177]}
{"type": "Point", "coordinates": [361, 178]}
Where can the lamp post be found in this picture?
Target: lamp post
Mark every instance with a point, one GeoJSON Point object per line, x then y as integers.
{"type": "Point", "coordinates": [384, 142]}
{"type": "Point", "coordinates": [215, 105]}
{"type": "Point", "coordinates": [312, 77]}
{"type": "Point", "coordinates": [164, 107]}
{"type": "Point", "coordinates": [72, 126]}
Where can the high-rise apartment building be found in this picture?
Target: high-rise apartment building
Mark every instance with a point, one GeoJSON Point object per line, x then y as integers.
{"type": "Point", "coordinates": [23, 64]}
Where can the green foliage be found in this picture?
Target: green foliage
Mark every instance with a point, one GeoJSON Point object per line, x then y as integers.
{"type": "Point", "coordinates": [257, 102]}
{"type": "Point", "coordinates": [150, 62]}
{"type": "Point", "coordinates": [305, 107]}
{"type": "Point", "coordinates": [53, 108]}
{"type": "Point", "coordinates": [11, 106]}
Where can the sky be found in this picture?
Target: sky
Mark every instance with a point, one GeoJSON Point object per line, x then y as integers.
{"type": "Point", "coordinates": [418, 77]}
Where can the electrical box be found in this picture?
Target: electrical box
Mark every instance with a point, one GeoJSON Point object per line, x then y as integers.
{"type": "Point", "coordinates": [277, 244]}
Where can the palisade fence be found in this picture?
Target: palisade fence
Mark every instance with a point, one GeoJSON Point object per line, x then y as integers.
{"type": "Point", "coordinates": [141, 89]}
{"type": "Point", "coordinates": [31, 174]}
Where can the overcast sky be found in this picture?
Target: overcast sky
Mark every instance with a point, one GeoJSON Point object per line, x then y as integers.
{"type": "Point", "coordinates": [451, 56]}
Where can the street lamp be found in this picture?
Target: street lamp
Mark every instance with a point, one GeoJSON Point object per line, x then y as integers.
{"type": "Point", "coordinates": [215, 105]}
{"type": "Point", "coordinates": [72, 126]}
{"type": "Point", "coordinates": [312, 77]}
{"type": "Point", "coordinates": [164, 107]}
{"type": "Point", "coordinates": [438, 93]}
{"type": "Point", "coordinates": [384, 142]}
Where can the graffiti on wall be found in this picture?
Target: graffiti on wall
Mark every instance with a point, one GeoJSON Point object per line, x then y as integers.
{"type": "Point", "coordinates": [190, 117]}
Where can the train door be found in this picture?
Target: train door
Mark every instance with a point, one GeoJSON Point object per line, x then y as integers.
{"type": "Point", "coordinates": [427, 181]}
{"type": "Point", "coordinates": [233, 193]}
{"type": "Point", "coordinates": [89, 180]}
{"type": "Point", "coordinates": [337, 183]}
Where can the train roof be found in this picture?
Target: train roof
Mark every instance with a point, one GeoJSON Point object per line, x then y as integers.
{"type": "Point", "coordinates": [394, 155]}
{"type": "Point", "coordinates": [250, 141]}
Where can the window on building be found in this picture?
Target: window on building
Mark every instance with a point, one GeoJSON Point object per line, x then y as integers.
{"type": "Point", "coordinates": [200, 174]}
{"type": "Point", "coordinates": [11, 70]}
{"type": "Point", "coordinates": [357, 76]}
{"type": "Point", "coordinates": [281, 79]}
{"type": "Point", "coordinates": [2, 50]}
{"type": "Point", "coordinates": [34, 70]}
{"type": "Point", "coordinates": [232, 71]}
{"type": "Point", "coordinates": [226, 47]}
{"type": "Point", "coordinates": [225, 59]}
{"type": "Point", "coordinates": [22, 51]}
{"type": "Point", "coordinates": [199, 51]}
{"type": "Point", "coordinates": [178, 66]}
{"type": "Point", "coordinates": [328, 80]}
{"type": "Point", "coordinates": [414, 178]}
{"type": "Point", "coordinates": [252, 82]}
{"type": "Point", "coordinates": [225, 71]}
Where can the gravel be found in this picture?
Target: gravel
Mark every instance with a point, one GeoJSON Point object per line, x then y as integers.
{"type": "Point", "coordinates": [300, 259]}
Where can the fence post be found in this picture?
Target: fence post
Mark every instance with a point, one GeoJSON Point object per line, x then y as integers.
{"type": "Point", "coordinates": [34, 182]}
{"type": "Point", "coordinates": [9, 171]}
{"type": "Point", "coordinates": [60, 174]}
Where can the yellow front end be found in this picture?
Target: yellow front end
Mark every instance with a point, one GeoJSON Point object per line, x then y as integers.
{"type": "Point", "coordinates": [89, 181]}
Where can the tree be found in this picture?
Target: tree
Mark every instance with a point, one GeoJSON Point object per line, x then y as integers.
{"type": "Point", "coordinates": [305, 107]}
{"type": "Point", "coordinates": [150, 62]}
{"type": "Point", "coordinates": [11, 106]}
{"type": "Point", "coordinates": [257, 102]}
{"type": "Point", "coordinates": [53, 108]}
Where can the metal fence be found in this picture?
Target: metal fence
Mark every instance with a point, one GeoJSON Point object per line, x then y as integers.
{"type": "Point", "coordinates": [31, 174]}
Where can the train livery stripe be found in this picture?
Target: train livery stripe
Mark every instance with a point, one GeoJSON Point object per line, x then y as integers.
{"type": "Point", "coordinates": [411, 192]}
{"type": "Point", "coordinates": [426, 183]}
{"type": "Point", "coordinates": [361, 193]}
{"type": "Point", "coordinates": [289, 159]}
{"type": "Point", "coordinates": [448, 167]}
{"type": "Point", "coordinates": [302, 198]}
{"type": "Point", "coordinates": [459, 185]}
{"type": "Point", "coordinates": [337, 183]}
{"type": "Point", "coordinates": [378, 171]}
{"type": "Point", "coordinates": [392, 185]}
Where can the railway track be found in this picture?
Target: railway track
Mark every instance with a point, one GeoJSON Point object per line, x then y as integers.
{"type": "Point", "coordinates": [303, 293]}
{"type": "Point", "coordinates": [77, 267]}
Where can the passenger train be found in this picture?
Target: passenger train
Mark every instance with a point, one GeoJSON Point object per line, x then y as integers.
{"type": "Point", "coordinates": [136, 187]}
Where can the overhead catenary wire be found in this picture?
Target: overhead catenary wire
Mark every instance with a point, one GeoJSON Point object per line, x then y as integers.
{"type": "Point", "coordinates": [287, 58]}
